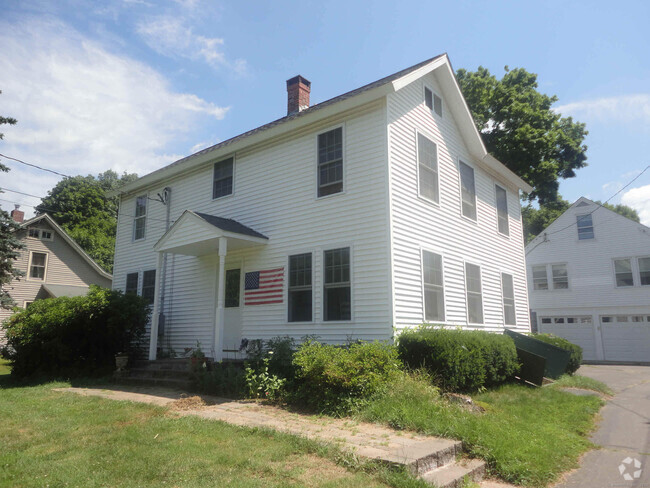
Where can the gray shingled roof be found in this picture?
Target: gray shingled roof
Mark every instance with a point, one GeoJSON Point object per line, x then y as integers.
{"type": "Point", "coordinates": [313, 108]}
{"type": "Point", "coordinates": [230, 225]}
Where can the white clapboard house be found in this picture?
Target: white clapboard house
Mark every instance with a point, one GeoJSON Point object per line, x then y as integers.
{"type": "Point", "coordinates": [373, 211]}
{"type": "Point", "coordinates": [590, 282]}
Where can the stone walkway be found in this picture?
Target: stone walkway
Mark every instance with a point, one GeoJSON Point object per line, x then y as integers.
{"type": "Point", "coordinates": [364, 439]}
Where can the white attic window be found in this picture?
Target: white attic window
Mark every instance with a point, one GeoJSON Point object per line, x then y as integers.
{"type": "Point", "coordinates": [433, 101]}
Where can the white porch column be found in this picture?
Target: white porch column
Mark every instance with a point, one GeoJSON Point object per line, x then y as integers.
{"type": "Point", "coordinates": [153, 339]}
{"type": "Point", "coordinates": [217, 342]}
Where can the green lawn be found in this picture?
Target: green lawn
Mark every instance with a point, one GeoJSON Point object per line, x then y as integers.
{"type": "Point", "coordinates": [57, 439]}
{"type": "Point", "coordinates": [527, 435]}
{"type": "Point", "coordinates": [4, 367]}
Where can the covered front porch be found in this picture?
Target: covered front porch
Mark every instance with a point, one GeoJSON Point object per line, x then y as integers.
{"type": "Point", "coordinates": [199, 234]}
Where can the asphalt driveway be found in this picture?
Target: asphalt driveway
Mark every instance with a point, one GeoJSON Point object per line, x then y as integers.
{"type": "Point", "coordinates": [623, 433]}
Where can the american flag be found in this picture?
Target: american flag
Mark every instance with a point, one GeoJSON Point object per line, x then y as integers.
{"type": "Point", "coordinates": [263, 287]}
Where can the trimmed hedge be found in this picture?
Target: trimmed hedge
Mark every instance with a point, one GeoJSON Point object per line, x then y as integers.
{"type": "Point", "coordinates": [335, 379]}
{"type": "Point", "coordinates": [459, 360]}
{"type": "Point", "coordinates": [75, 335]}
{"type": "Point", "coordinates": [576, 351]}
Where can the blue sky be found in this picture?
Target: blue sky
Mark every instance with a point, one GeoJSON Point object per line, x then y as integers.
{"type": "Point", "coordinates": [135, 84]}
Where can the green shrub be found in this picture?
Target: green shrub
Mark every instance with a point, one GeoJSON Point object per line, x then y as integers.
{"type": "Point", "coordinates": [334, 379]}
{"type": "Point", "coordinates": [576, 351]}
{"type": "Point", "coordinates": [75, 335]}
{"type": "Point", "coordinates": [459, 360]}
{"type": "Point", "coordinates": [221, 379]}
{"type": "Point", "coordinates": [280, 362]}
{"type": "Point", "coordinates": [261, 383]}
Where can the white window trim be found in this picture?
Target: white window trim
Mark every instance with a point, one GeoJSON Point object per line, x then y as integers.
{"type": "Point", "coordinates": [313, 286]}
{"type": "Point", "coordinates": [138, 289]}
{"type": "Point", "coordinates": [480, 270]}
{"type": "Point", "coordinates": [593, 227]}
{"type": "Point", "coordinates": [444, 297]}
{"type": "Point", "coordinates": [417, 167]}
{"type": "Point", "coordinates": [29, 267]}
{"type": "Point", "coordinates": [496, 210]}
{"type": "Point", "coordinates": [514, 296]}
{"type": "Point", "coordinates": [342, 126]}
{"type": "Point", "coordinates": [146, 214]}
{"type": "Point", "coordinates": [40, 234]}
{"type": "Point", "coordinates": [550, 274]}
{"type": "Point", "coordinates": [237, 264]}
{"type": "Point", "coordinates": [26, 303]}
{"type": "Point", "coordinates": [234, 178]}
{"type": "Point", "coordinates": [549, 277]}
{"type": "Point", "coordinates": [321, 253]}
{"type": "Point", "coordinates": [434, 93]}
{"type": "Point", "coordinates": [635, 264]}
{"type": "Point", "coordinates": [459, 160]}
{"type": "Point", "coordinates": [636, 273]}
{"type": "Point", "coordinates": [532, 277]}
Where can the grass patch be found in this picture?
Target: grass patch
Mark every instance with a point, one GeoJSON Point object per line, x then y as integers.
{"type": "Point", "coordinates": [4, 367]}
{"type": "Point", "coordinates": [56, 439]}
{"type": "Point", "coordinates": [583, 382]}
{"type": "Point", "coordinates": [527, 435]}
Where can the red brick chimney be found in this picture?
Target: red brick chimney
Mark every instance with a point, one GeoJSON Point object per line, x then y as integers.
{"type": "Point", "coordinates": [298, 89]}
{"type": "Point", "coordinates": [18, 215]}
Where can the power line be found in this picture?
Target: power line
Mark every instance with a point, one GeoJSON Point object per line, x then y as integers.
{"type": "Point", "coordinates": [35, 166]}
{"type": "Point", "coordinates": [21, 193]}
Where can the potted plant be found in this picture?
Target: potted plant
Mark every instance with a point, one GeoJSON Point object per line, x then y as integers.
{"type": "Point", "coordinates": [197, 357]}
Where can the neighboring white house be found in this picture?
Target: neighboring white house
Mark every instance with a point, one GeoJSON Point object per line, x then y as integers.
{"type": "Point", "coordinates": [53, 263]}
{"type": "Point", "coordinates": [590, 282]}
{"type": "Point", "coordinates": [373, 211]}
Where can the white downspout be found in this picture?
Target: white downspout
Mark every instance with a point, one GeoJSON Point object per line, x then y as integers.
{"type": "Point", "coordinates": [217, 341]}
{"type": "Point", "coordinates": [153, 333]}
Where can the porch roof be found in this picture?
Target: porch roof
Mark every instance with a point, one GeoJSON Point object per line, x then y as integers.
{"type": "Point", "coordinates": [197, 234]}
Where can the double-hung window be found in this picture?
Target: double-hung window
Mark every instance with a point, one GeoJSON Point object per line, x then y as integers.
{"type": "Point", "coordinates": [300, 288]}
{"type": "Point", "coordinates": [149, 286]}
{"type": "Point", "coordinates": [336, 286]}
{"type": "Point", "coordinates": [502, 210]}
{"type": "Point", "coordinates": [140, 219]}
{"type": "Point", "coordinates": [37, 266]}
{"type": "Point", "coordinates": [474, 293]}
{"type": "Point", "coordinates": [540, 279]}
{"type": "Point", "coordinates": [433, 288]}
{"type": "Point", "coordinates": [623, 272]}
{"type": "Point", "coordinates": [560, 277]}
{"type": "Point", "coordinates": [508, 293]}
{"type": "Point", "coordinates": [428, 169]}
{"type": "Point", "coordinates": [131, 284]}
{"type": "Point", "coordinates": [222, 178]}
{"type": "Point", "coordinates": [330, 162]}
{"type": "Point", "coordinates": [467, 190]}
{"type": "Point", "coordinates": [585, 227]}
{"type": "Point", "coordinates": [644, 270]}
{"type": "Point", "coordinates": [433, 101]}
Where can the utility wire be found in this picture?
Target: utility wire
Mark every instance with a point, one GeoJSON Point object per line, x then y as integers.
{"type": "Point", "coordinates": [600, 205]}
{"type": "Point", "coordinates": [21, 193]}
{"type": "Point", "coordinates": [35, 166]}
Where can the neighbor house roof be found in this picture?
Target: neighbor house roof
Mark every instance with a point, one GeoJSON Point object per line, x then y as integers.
{"type": "Point", "coordinates": [333, 106]}
{"type": "Point", "coordinates": [67, 239]}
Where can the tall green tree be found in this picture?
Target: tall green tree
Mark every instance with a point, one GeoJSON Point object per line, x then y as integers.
{"type": "Point", "coordinates": [79, 205]}
{"type": "Point", "coordinates": [10, 245]}
{"type": "Point", "coordinates": [521, 130]}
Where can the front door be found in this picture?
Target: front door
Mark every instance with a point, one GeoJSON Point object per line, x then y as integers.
{"type": "Point", "coordinates": [233, 312]}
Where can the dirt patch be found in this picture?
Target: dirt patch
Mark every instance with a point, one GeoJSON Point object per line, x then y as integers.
{"type": "Point", "coordinates": [188, 403]}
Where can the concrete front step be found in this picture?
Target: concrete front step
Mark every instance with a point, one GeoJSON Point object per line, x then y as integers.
{"type": "Point", "coordinates": [453, 475]}
{"type": "Point", "coordinates": [424, 456]}
{"type": "Point", "coordinates": [159, 373]}
{"type": "Point", "coordinates": [174, 383]}
{"type": "Point", "coordinates": [182, 364]}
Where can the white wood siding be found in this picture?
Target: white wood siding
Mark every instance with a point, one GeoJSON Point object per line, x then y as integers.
{"type": "Point", "coordinates": [64, 267]}
{"type": "Point", "coordinates": [418, 224]}
{"type": "Point", "coordinates": [275, 194]}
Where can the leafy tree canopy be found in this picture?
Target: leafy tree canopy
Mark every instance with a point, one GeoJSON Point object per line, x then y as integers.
{"type": "Point", "coordinates": [521, 130]}
{"type": "Point", "coordinates": [10, 245]}
{"type": "Point", "coordinates": [79, 205]}
{"type": "Point", "coordinates": [537, 219]}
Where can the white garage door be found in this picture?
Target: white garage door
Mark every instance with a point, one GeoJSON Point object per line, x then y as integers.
{"type": "Point", "coordinates": [576, 329]}
{"type": "Point", "coordinates": [623, 337]}
{"type": "Point", "coordinates": [626, 337]}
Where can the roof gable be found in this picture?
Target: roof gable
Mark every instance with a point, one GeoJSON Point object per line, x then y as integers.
{"type": "Point", "coordinates": [357, 97]}
{"type": "Point", "coordinates": [64, 235]}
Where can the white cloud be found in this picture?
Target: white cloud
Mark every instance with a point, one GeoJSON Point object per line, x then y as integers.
{"type": "Point", "coordinates": [639, 199]}
{"type": "Point", "coordinates": [626, 108]}
{"type": "Point", "coordinates": [82, 109]}
{"type": "Point", "coordinates": [171, 35]}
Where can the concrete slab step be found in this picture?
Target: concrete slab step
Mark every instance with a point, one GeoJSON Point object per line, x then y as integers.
{"type": "Point", "coordinates": [164, 382]}
{"type": "Point", "coordinates": [182, 364]}
{"type": "Point", "coordinates": [454, 475]}
{"type": "Point", "coordinates": [159, 373]}
{"type": "Point", "coordinates": [422, 457]}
